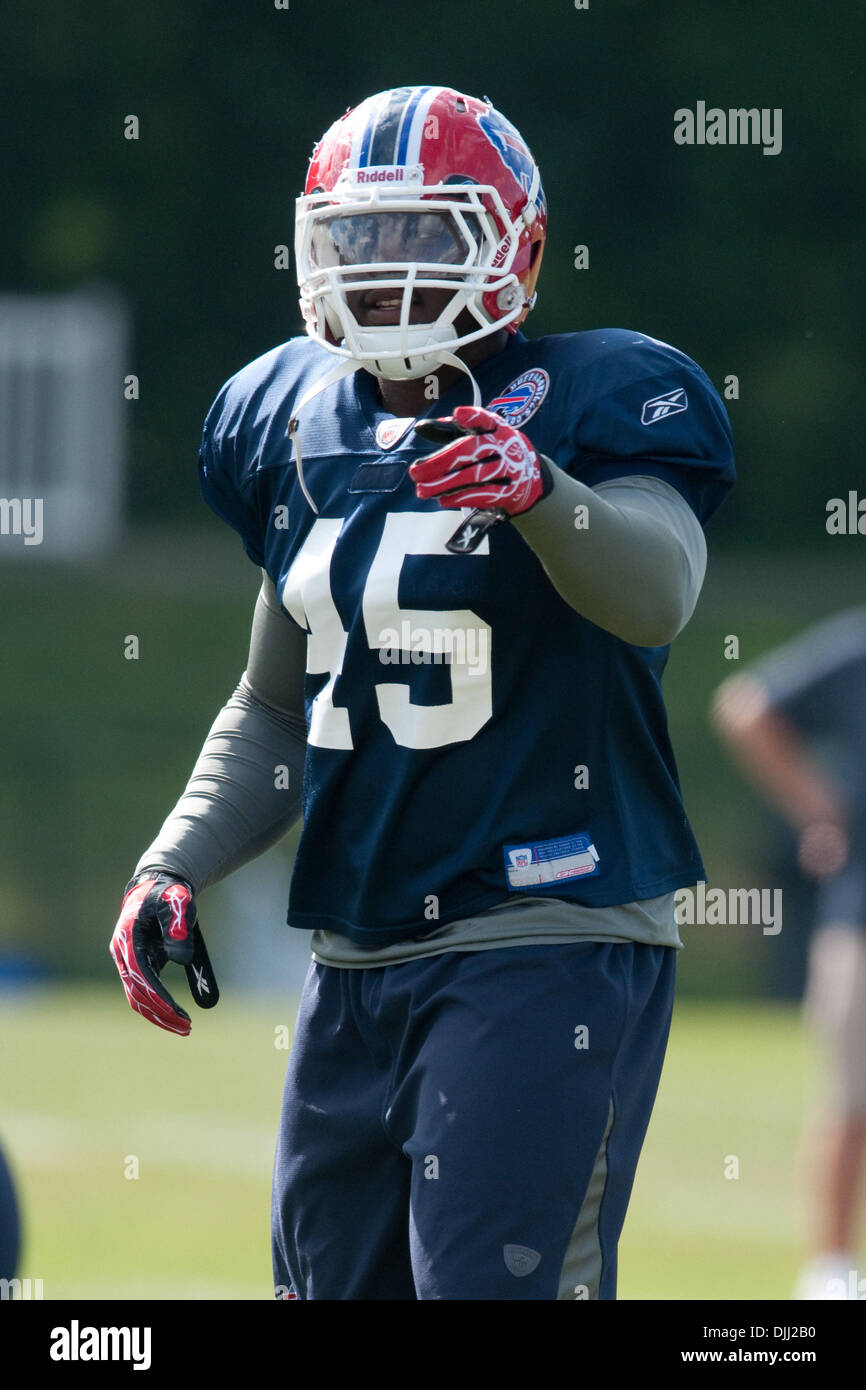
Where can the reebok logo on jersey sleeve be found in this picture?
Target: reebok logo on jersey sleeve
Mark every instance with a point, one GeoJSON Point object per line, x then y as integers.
{"type": "Point", "coordinates": [661, 406]}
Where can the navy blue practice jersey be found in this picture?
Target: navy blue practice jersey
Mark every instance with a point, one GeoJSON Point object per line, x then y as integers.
{"type": "Point", "coordinates": [470, 734]}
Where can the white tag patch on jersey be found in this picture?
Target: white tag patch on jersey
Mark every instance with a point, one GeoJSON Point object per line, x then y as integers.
{"type": "Point", "coordinates": [522, 398]}
{"type": "Point", "coordinates": [389, 431]}
{"type": "Point", "coordinates": [671, 403]}
{"type": "Point", "coordinates": [538, 864]}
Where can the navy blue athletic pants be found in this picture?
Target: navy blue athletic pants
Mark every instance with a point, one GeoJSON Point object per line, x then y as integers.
{"type": "Point", "coordinates": [468, 1125]}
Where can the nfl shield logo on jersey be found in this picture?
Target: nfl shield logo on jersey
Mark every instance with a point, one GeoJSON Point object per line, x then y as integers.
{"type": "Point", "coordinates": [389, 431]}
{"type": "Point", "coordinates": [522, 398]}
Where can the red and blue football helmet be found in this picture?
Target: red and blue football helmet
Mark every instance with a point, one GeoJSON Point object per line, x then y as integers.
{"type": "Point", "coordinates": [419, 187]}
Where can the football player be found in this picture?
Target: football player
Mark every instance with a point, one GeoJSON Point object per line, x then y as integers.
{"type": "Point", "coordinates": [476, 549]}
{"type": "Point", "coordinates": [796, 722]}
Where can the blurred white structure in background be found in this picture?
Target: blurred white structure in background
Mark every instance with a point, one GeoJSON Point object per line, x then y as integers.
{"type": "Point", "coordinates": [63, 420]}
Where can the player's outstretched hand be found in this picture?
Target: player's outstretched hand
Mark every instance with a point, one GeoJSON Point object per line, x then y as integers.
{"type": "Point", "coordinates": [157, 924]}
{"type": "Point", "coordinates": [487, 463]}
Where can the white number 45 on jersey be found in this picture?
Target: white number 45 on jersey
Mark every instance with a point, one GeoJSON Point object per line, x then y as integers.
{"type": "Point", "coordinates": [457, 633]}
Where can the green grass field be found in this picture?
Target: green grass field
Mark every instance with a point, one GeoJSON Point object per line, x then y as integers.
{"type": "Point", "coordinates": [88, 1087]}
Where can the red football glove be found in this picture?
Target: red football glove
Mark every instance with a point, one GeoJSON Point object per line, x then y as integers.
{"type": "Point", "coordinates": [157, 924]}
{"type": "Point", "coordinates": [489, 464]}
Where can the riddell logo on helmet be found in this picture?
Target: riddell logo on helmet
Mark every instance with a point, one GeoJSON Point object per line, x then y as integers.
{"type": "Point", "coordinates": [502, 252]}
{"type": "Point", "coordinates": [388, 173]}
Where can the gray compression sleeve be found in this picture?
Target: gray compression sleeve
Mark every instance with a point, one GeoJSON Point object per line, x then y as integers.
{"type": "Point", "coordinates": [245, 789]}
{"type": "Point", "coordinates": [634, 564]}
{"type": "Point", "coordinates": [278, 654]}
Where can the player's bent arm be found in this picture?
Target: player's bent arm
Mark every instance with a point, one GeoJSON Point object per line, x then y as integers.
{"type": "Point", "coordinates": [245, 789]}
{"type": "Point", "coordinates": [776, 759]}
{"type": "Point", "coordinates": [630, 554]}
{"type": "Point", "coordinates": [772, 753]}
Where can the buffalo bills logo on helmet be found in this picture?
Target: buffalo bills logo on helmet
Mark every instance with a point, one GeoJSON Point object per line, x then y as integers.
{"type": "Point", "coordinates": [522, 398]}
{"type": "Point", "coordinates": [509, 145]}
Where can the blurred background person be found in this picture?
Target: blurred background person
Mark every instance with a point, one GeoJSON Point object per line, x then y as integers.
{"type": "Point", "coordinates": [10, 1226]}
{"type": "Point", "coordinates": [796, 723]}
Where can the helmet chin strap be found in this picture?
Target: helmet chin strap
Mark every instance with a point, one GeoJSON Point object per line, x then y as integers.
{"type": "Point", "coordinates": [344, 368]}
{"type": "Point", "coordinates": [450, 359]}
{"type": "Point", "coordinates": [347, 368]}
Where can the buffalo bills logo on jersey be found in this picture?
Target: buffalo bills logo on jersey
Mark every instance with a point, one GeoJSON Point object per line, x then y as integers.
{"type": "Point", "coordinates": [511, 150]}
{"type": "Point", "coordinates": [522, 398]}
{"type": "Point", "coordinates": [671, 403]}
